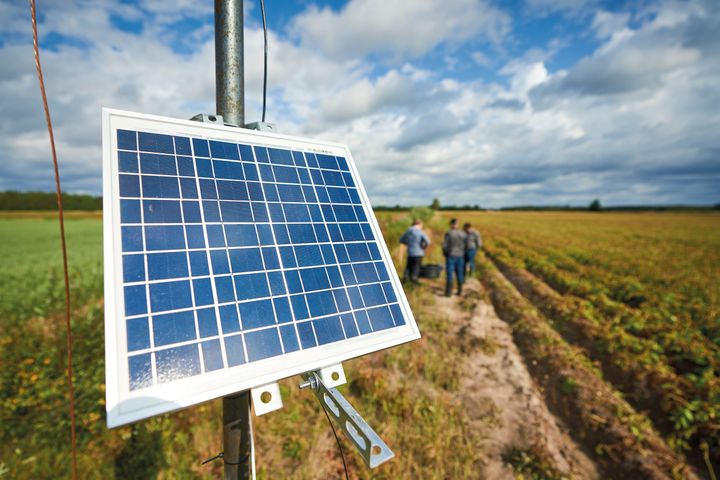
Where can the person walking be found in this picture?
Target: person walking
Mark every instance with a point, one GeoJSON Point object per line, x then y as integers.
{"type": "Point", "coordinates": [416, 241]}
{"type": "Point", "coordinates": [454, 246]}
{"type": "Point", "coordinates": [474, 242]}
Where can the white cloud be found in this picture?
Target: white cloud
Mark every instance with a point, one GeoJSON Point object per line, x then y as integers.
{"type": "Point", "coordinates": [400, 29]}
{"type": "Point", "coordinates": [365, 97]}
{"type": "Point", "coordinates": [634, 122]}
{"type": "Point", "coordinates": [567, 7]}
{"type": "Point", "coordinates": [481, 59]}
{"type": "Point", "coordinates": [606, 24]}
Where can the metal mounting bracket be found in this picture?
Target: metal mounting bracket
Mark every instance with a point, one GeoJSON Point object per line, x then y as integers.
{"type": "Point", "coordinates": [266, 399]}
{"type": "Point", "coordinates": [262, 126]}
{"type": "Point", "coordinates": [333, 375]}
{"type": "Point", "coordinates": [218, 120]}
{"type": "Point", "coordinates": [368, 443]}
{"type": "Point", "coordinates": [209, 118]}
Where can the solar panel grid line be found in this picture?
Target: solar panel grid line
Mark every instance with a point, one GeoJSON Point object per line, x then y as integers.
{"type": "Point", "coordinates": [151, 330]}
{"type": "Point", "coordinates": [216, 310]}
{"type": "Point", "coordinates": [196, 319]}
{"type": "Point", "coordinates": [272, 304]}
{"type": "Point", "coordinates": [277, 254]}
{"type": "Point", "coordinates": [334, 301]}
{"type": "Point", "coordinates": [194, 309]}
{"type": "Point", "coordinates": [251, 330]}
{"type": "Point", "coordinates": [151, 326]}
{"type": "Point", "coordinates": [287, 289]}
{"type": "Point", "coordinates": [131, 184]}
{"type": "Point", "coordinates": [360, 243]}
{"type": "Point", "coordinates": [234, 288]}
{"type": "Point", "coordinates": [192, 283]}
{"type": "Point", "coordinates": [304, 299]}
{"type": "Point", "coordinates": [151, 163]}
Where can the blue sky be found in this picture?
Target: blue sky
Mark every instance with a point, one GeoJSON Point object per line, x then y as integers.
{"type": "Point", "coordinates": [473, 102]}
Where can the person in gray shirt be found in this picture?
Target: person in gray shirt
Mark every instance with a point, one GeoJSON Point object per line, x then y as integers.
{"type": "Point", "coordinates": [474, 242]}
{"type": "Point", "coordinates": [454, 246]}
{"type": "Point", "coordinates": [417, 241]}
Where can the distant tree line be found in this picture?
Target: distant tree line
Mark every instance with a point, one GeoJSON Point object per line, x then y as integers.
{"type": "Point", "coordinates": [394, 208]}
{"type": "Point", "coordinates": [594, 206]}
{"type": "Point", "coordinates": [14, 200]}
{"type": "Point", "coordinates": [619, 208]}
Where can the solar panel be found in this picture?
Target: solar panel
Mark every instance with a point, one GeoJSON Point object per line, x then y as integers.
{"type": "Point", "coordinates": [234, 258]}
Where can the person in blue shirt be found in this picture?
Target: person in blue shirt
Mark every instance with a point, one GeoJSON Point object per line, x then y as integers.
{"type": "Point", "coordinates": [416, 241]}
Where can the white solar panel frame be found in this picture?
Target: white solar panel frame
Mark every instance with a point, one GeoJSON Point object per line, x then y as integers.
{"type": "Point", "coordinates": [125, 406]}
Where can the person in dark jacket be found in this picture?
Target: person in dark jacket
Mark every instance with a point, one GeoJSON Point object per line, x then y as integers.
{"type": "Point", "coordinates": [416, 241]}
{"type": "Point", "coordinates": [474, 242]}
{"type": "Point", "coordinates": [454, 246]}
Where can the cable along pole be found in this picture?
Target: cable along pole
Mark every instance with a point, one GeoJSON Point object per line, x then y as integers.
{"type": "Point", "coordinates": [230, 103]}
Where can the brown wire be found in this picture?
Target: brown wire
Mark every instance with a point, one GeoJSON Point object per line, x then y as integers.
{"type": "Point", "coordinates": [61, 219]}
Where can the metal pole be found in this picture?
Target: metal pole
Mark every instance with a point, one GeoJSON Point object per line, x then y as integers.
{"type": "Point", "coordinates": [236, 436]}
{"type": "Point", "coordinates": [230, 103]}
{"type": "Point", "coordinates": [229, 65]}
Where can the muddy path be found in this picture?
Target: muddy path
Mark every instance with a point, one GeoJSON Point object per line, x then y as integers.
{"type": "Point", "coordinates": [499, 394]}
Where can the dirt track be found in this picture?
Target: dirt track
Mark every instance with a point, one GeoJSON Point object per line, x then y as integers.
{"type": "Point", "coordinates": [499, 394]}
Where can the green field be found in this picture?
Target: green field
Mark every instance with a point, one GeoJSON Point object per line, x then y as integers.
{"type": "Point", "coordinates": [637, 293]}
{"type": "Point", "coordinates": [415, 409]}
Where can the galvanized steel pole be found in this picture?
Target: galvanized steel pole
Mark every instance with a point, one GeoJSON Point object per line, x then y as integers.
{"type": "Point", "coordinates": [230, 103]}
{"type": "Point", "coordinates": [236, 436]}
{"type": "Point", "coordinates": [229, 65]}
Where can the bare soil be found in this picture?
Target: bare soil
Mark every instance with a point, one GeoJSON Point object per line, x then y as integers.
{"type": "Point", "coordinates": [499, 394]}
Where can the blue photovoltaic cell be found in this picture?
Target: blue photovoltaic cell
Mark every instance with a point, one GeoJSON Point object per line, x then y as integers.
{"type": "Point", "coordinates": [207, 322]}
{"type": "Point", "coordinates": [235, 253]}
{"type": "Point", "coordinates": [173, 328]}
{"type": "Point", "coordinates": [234, 350]}
{"type": "Point", "coordinates": [212, 355]}
{"type": "Point", "coordinates": [263, 344]}
{"type": "Point", "coordinates": [177, 363]}
{"type": "Point", "coordinates": [140, 370]}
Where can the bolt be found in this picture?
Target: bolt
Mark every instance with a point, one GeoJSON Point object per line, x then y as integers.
{"type": "Point", "coordinates": [311, 383]}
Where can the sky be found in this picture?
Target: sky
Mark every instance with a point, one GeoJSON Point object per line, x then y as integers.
{"type": "Point", "coordinates": [544, 102]}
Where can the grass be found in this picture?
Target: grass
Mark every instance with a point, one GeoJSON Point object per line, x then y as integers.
{"type": "Point", "coordinates": [532, 464]}
{"type": "Point", "coordinates": [31, 270]}
{"type": "Point", "coordinates": [652, 279]}
{"type": "Point", "coordinates": [406, 393]}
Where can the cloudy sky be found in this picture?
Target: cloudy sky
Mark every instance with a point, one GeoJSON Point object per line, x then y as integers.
{"type": "Point", "coordinates": [474, 102]}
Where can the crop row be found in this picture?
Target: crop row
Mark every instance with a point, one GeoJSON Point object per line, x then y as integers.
{"type": "Point", "coordinates": [685, 409]}
{"type": "Point", "coordinates": [689, 351]}
{"type": "Point", "coordinates": [667, 273]}
{"type": "Point", "coordinates": [624, 443]}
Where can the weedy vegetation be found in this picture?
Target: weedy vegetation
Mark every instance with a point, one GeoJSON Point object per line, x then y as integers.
{"type": "Point", "coordinates": [616, 314]}
{"type": "Point", "coordinates": [405, 392]}
{"type": "Point", "coordinates": [639, 293]}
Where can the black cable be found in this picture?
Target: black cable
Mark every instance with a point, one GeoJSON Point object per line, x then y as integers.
{"type": "Point", "coordinates": [262, 9]}
{"type": "Point", "coordinates": [337, 439]}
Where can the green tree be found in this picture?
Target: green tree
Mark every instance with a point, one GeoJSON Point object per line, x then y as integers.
{"type": "Point", "coordinates": [435, 205]}
{"type": "Point", "coordinates": [595, 206]}
{"type": "Point", "coordinates": [14, 200]}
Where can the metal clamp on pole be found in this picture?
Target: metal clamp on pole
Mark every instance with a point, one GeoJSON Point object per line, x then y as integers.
{"type": "Point", "coordinates": [368, 443]}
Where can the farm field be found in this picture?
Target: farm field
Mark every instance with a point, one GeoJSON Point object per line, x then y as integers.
{"type": "Point", "coordinates": [630, 300]}
{"type": "Point", "coordinates": [639, 294]}
{"type": "Point", "coordinates": [417, 408]}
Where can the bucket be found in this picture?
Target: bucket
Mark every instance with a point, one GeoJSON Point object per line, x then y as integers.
{"type": "Point", "coordinates": [431, 270]}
